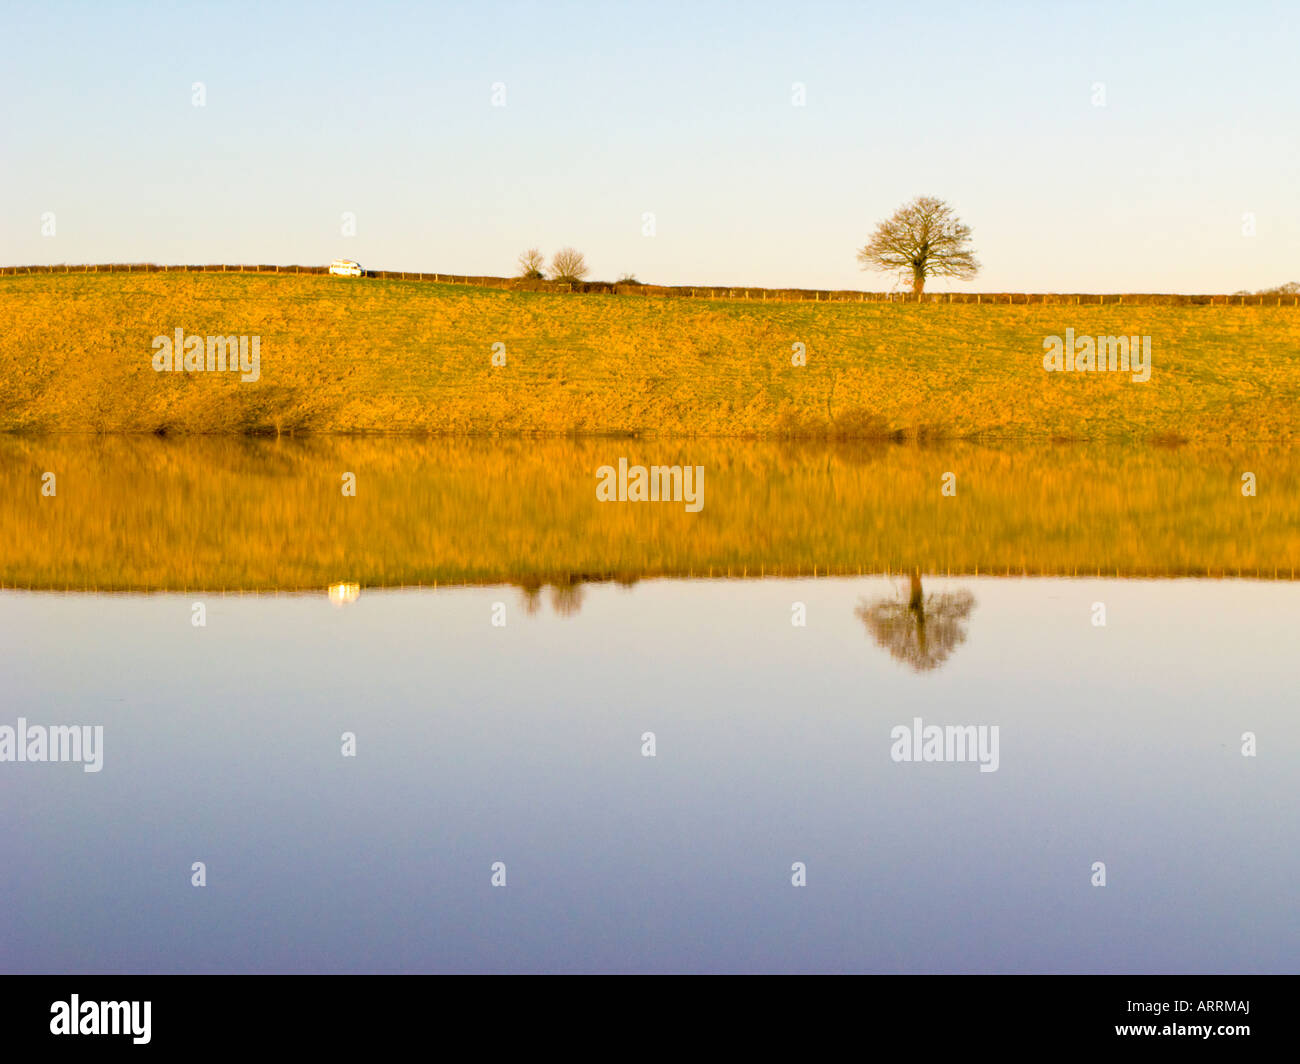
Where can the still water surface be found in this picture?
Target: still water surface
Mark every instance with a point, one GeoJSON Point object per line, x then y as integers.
{"type": "Point", "coordinates": [523, 743]}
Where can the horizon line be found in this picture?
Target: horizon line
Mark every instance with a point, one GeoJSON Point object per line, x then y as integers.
{"type": "Point", "coordinates": [471, 279]}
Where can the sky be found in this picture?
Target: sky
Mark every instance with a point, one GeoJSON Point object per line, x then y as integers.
{"type": "Point", "coordinates": [1091, 147]}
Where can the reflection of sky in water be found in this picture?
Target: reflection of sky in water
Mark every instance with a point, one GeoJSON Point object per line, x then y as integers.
{"type": "Point", "coordinates": [522, 744]}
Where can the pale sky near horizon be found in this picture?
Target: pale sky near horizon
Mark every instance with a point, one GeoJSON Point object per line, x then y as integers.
{"type": "Point", "coordinates": [683, 110]}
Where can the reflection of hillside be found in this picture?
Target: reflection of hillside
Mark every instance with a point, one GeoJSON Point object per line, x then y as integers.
{"type": "Point", "coordinates": [148, 513]}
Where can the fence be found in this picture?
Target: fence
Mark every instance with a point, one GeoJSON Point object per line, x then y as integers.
{"type": "Point", "coordinates": [711, 292]}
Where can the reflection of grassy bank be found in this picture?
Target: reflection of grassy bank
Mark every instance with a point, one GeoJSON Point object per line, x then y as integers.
{"type": "Point", "coordinates": [145, 513]}
{"type": "Point", "coordinates": [395, 356]}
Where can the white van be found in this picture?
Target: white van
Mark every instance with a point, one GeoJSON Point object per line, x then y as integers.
{"type": "Point", "coordinates": [345, 268]}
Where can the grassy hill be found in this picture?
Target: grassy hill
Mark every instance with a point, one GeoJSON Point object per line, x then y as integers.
{"type": "Point", "coordinates": [343, 355]}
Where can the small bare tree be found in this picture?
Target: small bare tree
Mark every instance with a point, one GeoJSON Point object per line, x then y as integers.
{"type": "Point", "coordinates": [568, 265]}
{"type": "Point", "coordinates": [923, 236]}
{"type": "Point", "coordinates": [530, 265]}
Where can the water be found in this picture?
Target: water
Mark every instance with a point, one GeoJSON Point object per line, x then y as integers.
{"type": "Point", "coordinates": [523, 743]}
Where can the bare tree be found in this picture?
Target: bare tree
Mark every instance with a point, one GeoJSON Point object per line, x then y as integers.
{"type": "Point", "coordinates": [568, 265]}
{"type": "Point", "coordinates": [923, 236]}
{"type": "Point", "coordinates": [530, 265]}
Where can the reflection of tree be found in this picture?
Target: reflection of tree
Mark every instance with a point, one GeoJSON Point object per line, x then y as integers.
{"type": "Point", "coordinates": [566, 598]}
{"type": "Point", "coordinates": [567, 589]}
{"type": "Point", "coordinates": [532, 591]}
{"type": "Point", "coordinates": [566, 594]}
{"type": "Point", "coordinates": [922, 630]}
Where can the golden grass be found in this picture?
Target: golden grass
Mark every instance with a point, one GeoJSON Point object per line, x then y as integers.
{"type": "Point", "coordinates": [342, 355]}
{"type": "Point", "coordinates": [265, 514]}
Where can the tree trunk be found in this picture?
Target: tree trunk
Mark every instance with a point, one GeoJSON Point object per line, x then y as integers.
{"type": "Point", "coordinates": [918, 280]}
{"type": "Point", "coordinates": [916, 597]}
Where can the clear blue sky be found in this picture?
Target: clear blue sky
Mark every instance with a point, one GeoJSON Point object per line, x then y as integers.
{"type": "Point", "coordinates": [612, 110]}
